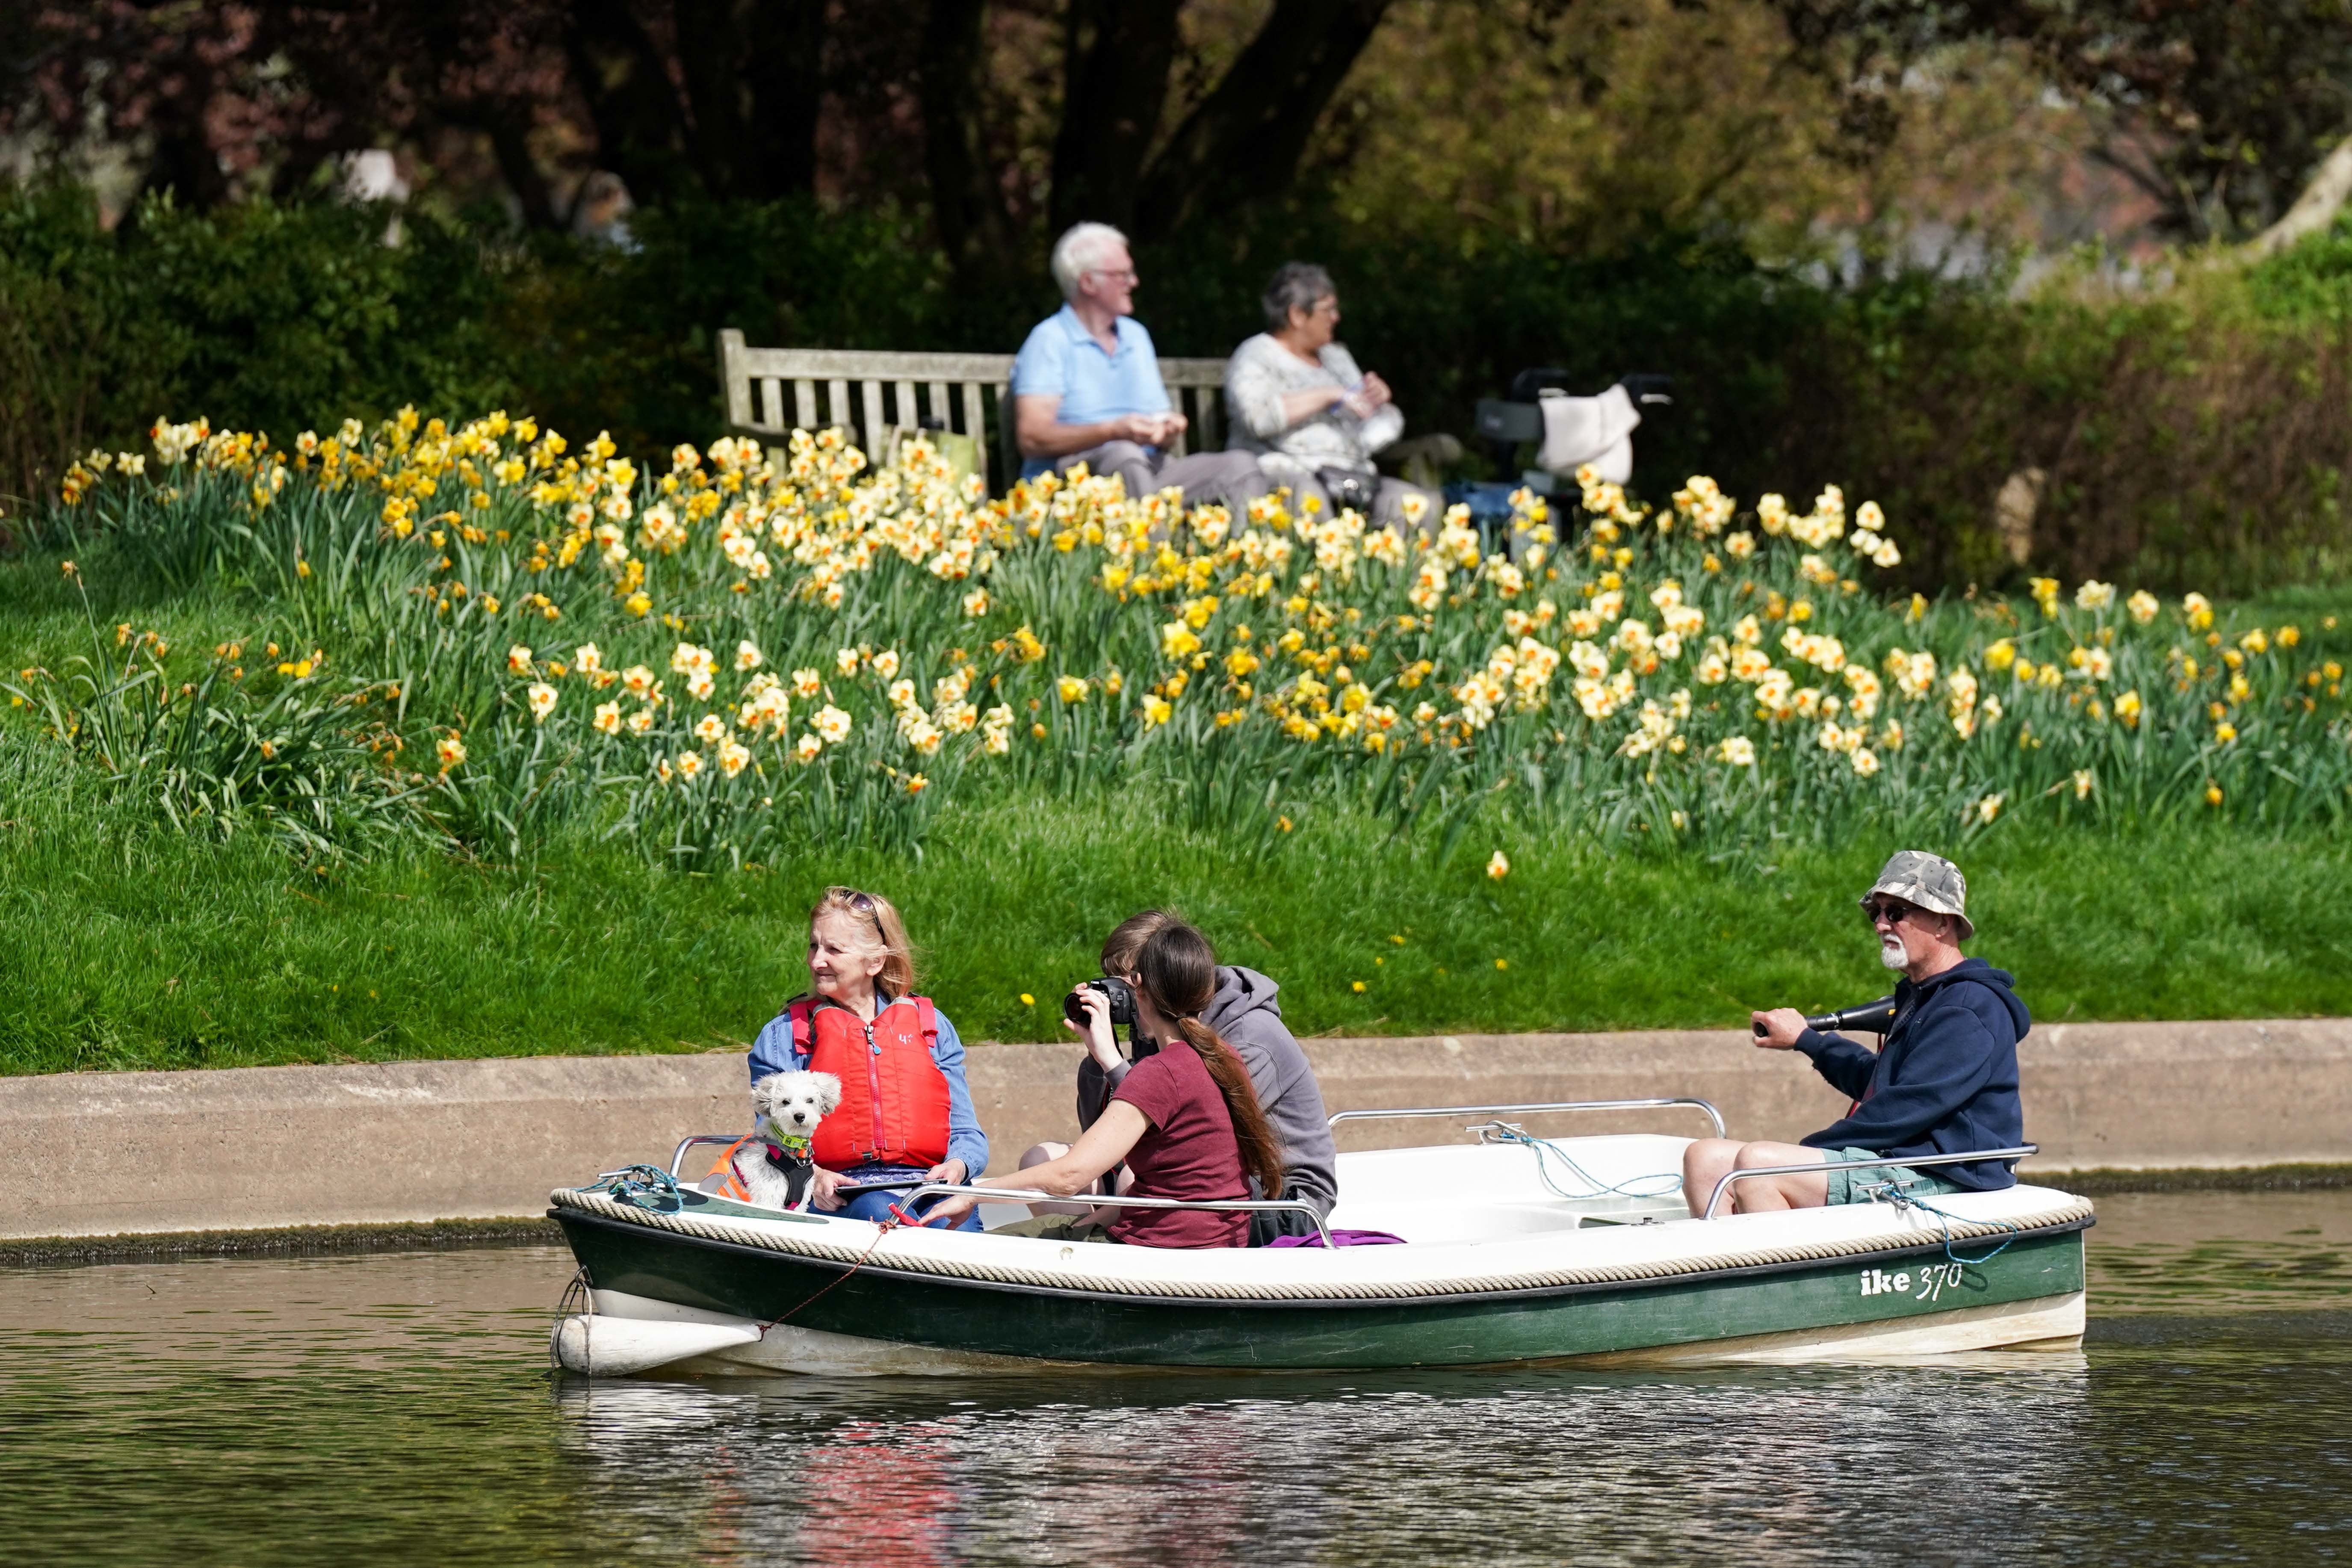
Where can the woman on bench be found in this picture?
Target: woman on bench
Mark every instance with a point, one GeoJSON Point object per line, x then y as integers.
{"type": "Point", "coordinates": [1185, 1119]}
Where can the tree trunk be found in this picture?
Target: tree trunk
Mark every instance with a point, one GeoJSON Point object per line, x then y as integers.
{"type": "Point", "coordinates": [711, 57]}
{"type": "Point", "coordinates": [965, 203]}
{"type": "Point", "coordinates": [785, 70]}
{"type": "Point", "coordinates": [2322, 199]}
{"type": "Point", "coordinates": [1116, 61]}
{"type": "Point", "coordinates": [626, 82]}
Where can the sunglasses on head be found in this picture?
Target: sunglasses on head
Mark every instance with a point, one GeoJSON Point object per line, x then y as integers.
{"type": "Point", "coordinates": [862, 903]}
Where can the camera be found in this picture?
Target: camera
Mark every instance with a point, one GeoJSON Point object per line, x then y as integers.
{"type": "Point", "coordinates": [1120, 994]}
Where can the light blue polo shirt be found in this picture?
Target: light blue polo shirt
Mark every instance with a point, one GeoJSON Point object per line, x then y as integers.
{"type": "Point", "coordinates": [1062, 359]}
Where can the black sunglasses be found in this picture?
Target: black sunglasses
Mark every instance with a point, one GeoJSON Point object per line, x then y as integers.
{"type": "Point", "coordinates": [862, 903]}
{"type": "Point", "coordinates": [1889, 909]}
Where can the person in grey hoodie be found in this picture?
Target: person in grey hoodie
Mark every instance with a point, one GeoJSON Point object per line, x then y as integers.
{"type": "Point", "coordinates": [1246, 1015]}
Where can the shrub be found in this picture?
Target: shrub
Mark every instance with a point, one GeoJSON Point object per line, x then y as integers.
{"type": "Point", "coordinates": [2195, 438]}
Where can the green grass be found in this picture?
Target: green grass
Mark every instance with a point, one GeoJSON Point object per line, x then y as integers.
{"type": "Point", "coordinates": [133, 946]}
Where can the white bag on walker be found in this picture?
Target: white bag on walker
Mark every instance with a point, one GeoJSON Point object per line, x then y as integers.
{"type": "Point", "coordinates": [1595, 430]}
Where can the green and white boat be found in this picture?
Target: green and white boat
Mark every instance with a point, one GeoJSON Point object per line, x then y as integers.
{"type": "Point", "coordinates": [1516, 1252]}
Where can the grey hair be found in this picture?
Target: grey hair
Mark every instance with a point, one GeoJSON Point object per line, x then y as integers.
{"type": "Point", "coordinates": [1298, 285]}
{"type": "Point", "coordinates": [1080, 251]}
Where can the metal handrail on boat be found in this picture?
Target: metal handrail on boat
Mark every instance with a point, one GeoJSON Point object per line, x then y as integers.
{"type": "Point", "coordinates": [1032, 1195]}
{"type": "Point", "coordinates": [1712, 1113]}
{"type": "Point", "coordinates": [685, 1144]}
{"type": "Point", "coordinates": [2020, 1153]}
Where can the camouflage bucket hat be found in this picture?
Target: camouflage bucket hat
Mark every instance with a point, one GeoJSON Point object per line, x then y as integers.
{"type": "Point", "coordinates": [1927, 881]}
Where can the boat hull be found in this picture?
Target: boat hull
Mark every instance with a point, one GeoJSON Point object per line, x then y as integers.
{"type": "Point", "coordinates": [822, 1315]}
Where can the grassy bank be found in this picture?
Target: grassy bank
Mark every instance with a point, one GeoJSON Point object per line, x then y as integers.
{"type": "Point", "coordinates": [134, 946]}
{"type": "Point", "coordinates": [220, 843]}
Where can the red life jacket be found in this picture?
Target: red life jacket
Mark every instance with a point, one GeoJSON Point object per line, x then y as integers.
{"type": "Point", "coordinates": [894, 1097]}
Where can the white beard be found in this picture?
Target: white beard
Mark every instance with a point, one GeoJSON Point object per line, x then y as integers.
{"type": "Point", "coordinates": [1892, 956]}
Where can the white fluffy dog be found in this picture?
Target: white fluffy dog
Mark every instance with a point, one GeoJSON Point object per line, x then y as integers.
{"type": "Point", "coordinates": [775, 1167]}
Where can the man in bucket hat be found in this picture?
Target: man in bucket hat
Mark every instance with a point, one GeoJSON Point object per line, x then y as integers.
{"type": "Point", "coordinates": [1944, 1082]}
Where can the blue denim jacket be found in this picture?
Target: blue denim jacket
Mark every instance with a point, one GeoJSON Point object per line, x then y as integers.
{"type": "Point", "coordinates": [773, 1052]}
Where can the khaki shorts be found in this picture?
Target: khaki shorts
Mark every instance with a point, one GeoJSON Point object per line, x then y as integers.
{"type": "Point", "coordinates": [1059, 1227]}
{"type": "Point", "coordinates": [1848, 1186]}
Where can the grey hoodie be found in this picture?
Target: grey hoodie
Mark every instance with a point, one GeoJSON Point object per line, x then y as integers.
{"type": "Point", "coordinates": [1246, 1016]}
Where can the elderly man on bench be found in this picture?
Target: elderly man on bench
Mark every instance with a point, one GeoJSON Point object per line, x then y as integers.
{"type": "Point", "coordinates": [1086, 386]}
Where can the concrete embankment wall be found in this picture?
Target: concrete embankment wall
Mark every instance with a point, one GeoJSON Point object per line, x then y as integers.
{"type": "Point", "coordinates": [93, 1154]}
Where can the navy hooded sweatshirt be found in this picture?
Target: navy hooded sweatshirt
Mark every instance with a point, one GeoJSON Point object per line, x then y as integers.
{"type": "Point", "coordinates": [1944, 1083]}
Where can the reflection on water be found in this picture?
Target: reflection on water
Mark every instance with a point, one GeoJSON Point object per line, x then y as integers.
{"type": "Point", "coordinates": [397, 1407]}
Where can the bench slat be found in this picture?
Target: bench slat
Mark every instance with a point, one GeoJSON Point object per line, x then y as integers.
{"type": "Point", "coordinates": [1187, 372]}
{"type": "Point", "coordinates": [976, 425]}
{"type": "Point", "coordinates": [735, 376]}
{"type": "Point", "coordinates": [836, 401]}
{"type": "Point", "coordinates": [805, 405]}
{"type": "Point", "coordinates": [1006, 433]}
{"type": "Point", "coordinates": [870, 364]}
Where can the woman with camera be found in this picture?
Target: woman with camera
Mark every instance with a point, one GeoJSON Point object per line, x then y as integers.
{"type": "Point", "coordinates": [1185, 1119]}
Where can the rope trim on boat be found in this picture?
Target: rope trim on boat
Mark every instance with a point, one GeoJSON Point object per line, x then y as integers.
{"type": "Point", "coordinates": [752, 1235]}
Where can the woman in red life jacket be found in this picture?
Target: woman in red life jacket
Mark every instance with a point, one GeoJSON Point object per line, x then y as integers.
{"type": "Point", "coordinates": [1185, 1118]}
{"type": "Point", "coordinates": [906, 1111]}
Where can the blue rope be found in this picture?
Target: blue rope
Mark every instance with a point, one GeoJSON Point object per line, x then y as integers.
{"type": "Point", "coordinates": [1545, 1150]}
{"type": "Point", "coordinates": [640, 1187]}
{"type": "Point", "coordinates": [1900, 1197]}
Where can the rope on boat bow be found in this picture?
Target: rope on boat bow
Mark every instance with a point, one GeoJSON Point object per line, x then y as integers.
{"type": "Point", "coordinates": [1546, 1150]}
{"type": "Point", "coordinates": [640, 1186]}
{"type": "Point", "coordinates": [578, 1301]}
{"type": "Point", "coordinates": [1901, 1199]}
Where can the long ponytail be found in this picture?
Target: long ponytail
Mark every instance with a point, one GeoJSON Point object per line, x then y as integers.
{"type": "Point", "coordinates": [1178, 970]}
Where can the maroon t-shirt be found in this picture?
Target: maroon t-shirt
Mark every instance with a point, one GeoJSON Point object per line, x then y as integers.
{"type": "Point", "coordinates": [1187, 1152]}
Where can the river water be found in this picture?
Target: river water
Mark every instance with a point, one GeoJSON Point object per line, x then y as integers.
{"type": "Point", "coordinates": [397, 1409]}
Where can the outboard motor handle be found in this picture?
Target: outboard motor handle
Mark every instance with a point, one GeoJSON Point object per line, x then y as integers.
{"type": "Point", "coordinates": [1877, 1016]}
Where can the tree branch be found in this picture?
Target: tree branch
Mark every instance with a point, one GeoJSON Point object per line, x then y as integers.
{"type": "Point", "coordinates": [1245, 141]}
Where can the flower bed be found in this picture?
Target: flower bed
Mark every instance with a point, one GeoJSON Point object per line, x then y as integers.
{"type": "Point", "coordinates": [479, 633]}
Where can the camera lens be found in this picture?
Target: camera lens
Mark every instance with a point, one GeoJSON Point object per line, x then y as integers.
{"type": "Point", "coordinates": [1074, 1009]}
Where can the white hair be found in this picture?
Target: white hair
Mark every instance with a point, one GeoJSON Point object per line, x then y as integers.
{"type": "Point", "coordinates": [1081, 251]}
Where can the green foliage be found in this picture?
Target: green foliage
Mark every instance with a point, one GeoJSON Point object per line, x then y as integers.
{"type": "Point", "coordinates": [2196, 437]}
{"type": "Point", "coordinates": [2309, 285]}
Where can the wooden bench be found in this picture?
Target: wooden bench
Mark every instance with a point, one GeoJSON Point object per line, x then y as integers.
{"type": "Point", "coordinates": [875, 394]}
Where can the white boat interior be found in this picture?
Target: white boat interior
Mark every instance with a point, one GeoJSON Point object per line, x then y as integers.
{"type": "Point", "coordinates": [1493, 1191]}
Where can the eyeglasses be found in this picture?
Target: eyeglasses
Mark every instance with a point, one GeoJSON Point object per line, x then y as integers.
{"type": "Point", "coordinates": [1126, 276]}
{"type": "Point", "coordinates": [1891, 910]}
